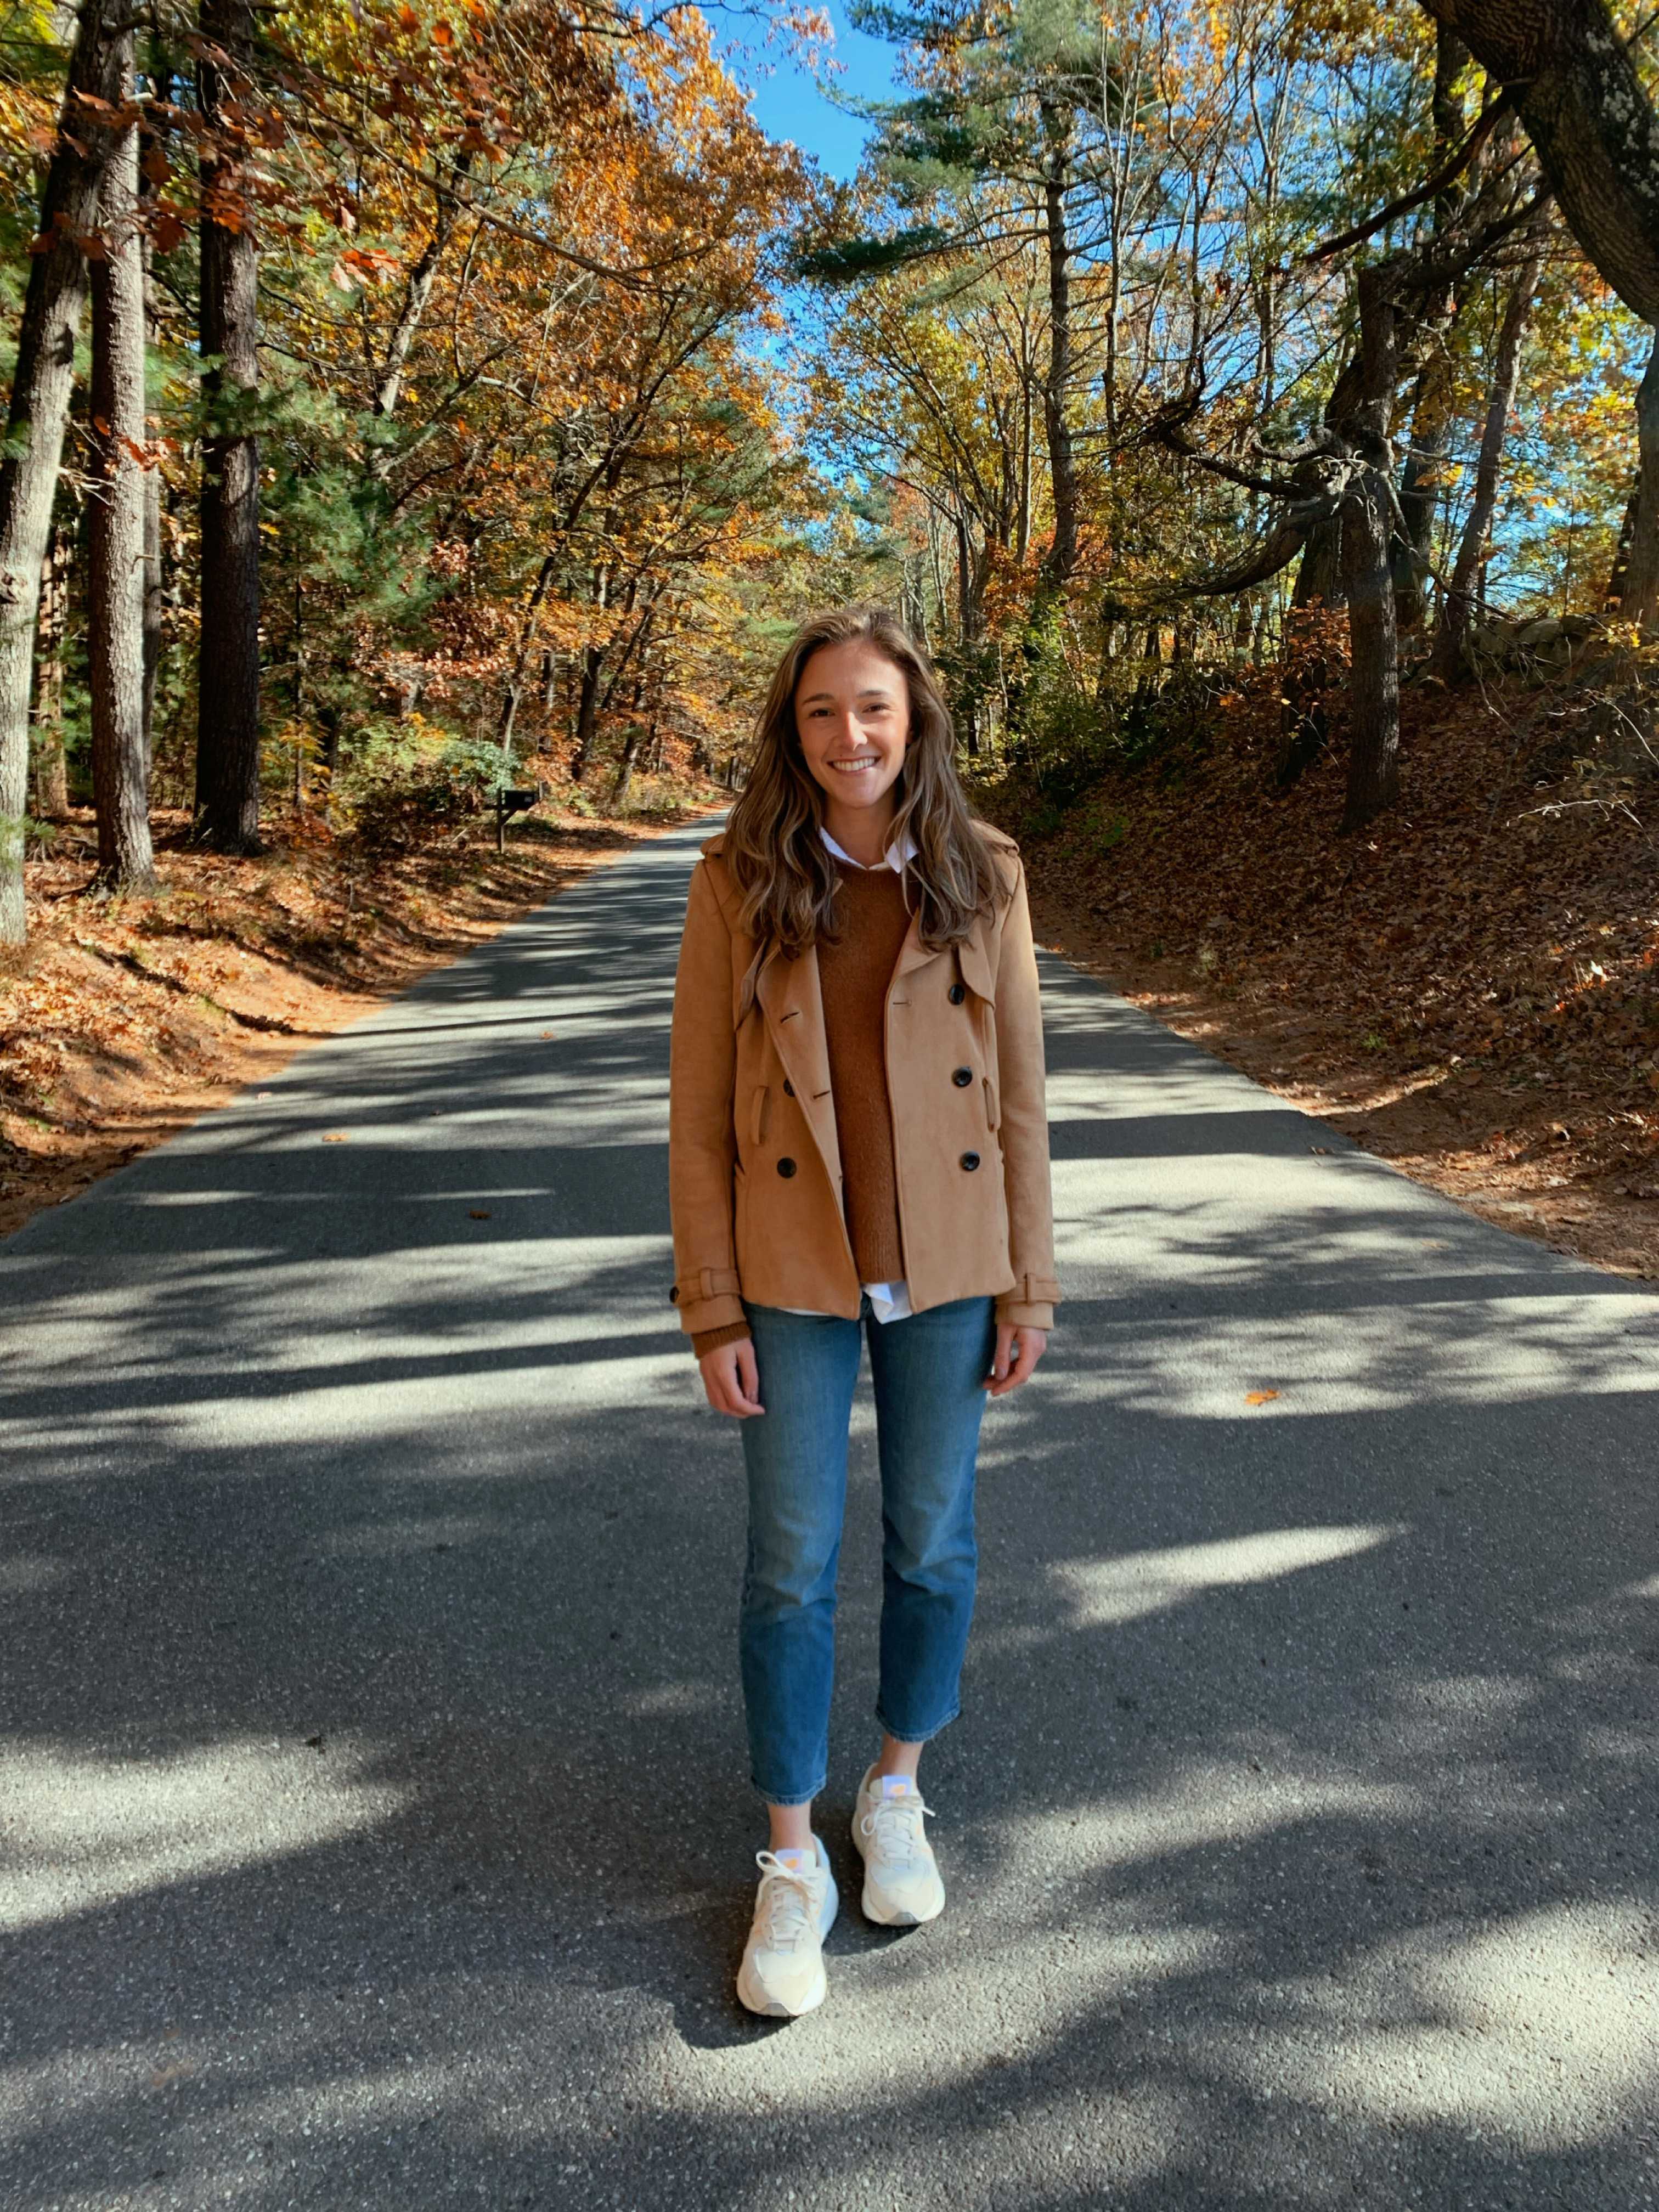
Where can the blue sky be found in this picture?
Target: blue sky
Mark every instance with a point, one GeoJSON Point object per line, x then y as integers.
{"type": "Point", "coordinates": [788, 104]}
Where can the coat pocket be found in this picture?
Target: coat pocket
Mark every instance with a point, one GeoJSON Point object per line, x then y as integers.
{"type": "Point", "coordinates": [758, 1107]}
{"type": "Point", "coordinates": [992, 1114]}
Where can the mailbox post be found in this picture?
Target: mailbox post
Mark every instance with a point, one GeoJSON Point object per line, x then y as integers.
{"type": "Point", "coordinates": [509, 801]}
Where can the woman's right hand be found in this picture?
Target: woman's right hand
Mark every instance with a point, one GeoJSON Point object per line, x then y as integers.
{"type": "Point", "coordinates": [731, 1378]}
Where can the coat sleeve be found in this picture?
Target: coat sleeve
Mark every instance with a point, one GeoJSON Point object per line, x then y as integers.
{"type": "Point", "coordinates": [701, 1137]}
{"type": "Point", "coordinates": [1024, 1113]}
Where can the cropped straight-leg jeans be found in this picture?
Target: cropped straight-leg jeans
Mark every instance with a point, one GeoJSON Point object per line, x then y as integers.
{"type": "Point", "coordinates": [927, 1370]}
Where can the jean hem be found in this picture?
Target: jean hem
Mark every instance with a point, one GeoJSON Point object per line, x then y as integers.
{"type": "Point", "coordinates": [789, 1803]}
{"type": "Point", "coordinates": [901, 1735]}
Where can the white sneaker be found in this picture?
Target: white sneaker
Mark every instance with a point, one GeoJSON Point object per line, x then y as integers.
{"type": "Point", "coordinates": [783, 1969]}
{"type": "Point", "coordinates": [901, 1883]}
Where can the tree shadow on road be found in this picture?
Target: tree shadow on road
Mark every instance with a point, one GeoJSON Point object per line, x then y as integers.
{"type": "Point", "coordinates": [372, 1818]}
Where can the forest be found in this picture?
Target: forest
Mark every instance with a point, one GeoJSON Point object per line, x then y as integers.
{"type": "Point", "coordinates": [1253, 404]}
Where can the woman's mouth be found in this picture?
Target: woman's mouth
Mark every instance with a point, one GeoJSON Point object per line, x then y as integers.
{"type": "Point", "coordinates": [856, 766]}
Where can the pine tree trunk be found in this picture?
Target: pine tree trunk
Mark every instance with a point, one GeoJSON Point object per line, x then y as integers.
{"type": "Point", "coordinates": [1062, 464]}
{"type": "Point", "coordinates": [227, 688]}
{"type": "Point", "coordinates": [41, 380]}
{"type": "Point", "coordinates": [1472, 547]}
{"type": "Point", "coordinates": [161, 77]}
{"type": "Point", "coordinates": [51, 767]}
{"type": "Point", "coordinates": [1639, 596]}
{"type": "Point", "coordinates": [116, 569]}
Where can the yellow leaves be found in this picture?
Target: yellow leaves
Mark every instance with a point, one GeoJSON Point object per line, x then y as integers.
{"type": "Point", "coordinates": [1259, 1397]}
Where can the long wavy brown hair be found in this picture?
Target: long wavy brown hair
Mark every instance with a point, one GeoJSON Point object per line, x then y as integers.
{"type": "Point", "coordinates": [785, 873]}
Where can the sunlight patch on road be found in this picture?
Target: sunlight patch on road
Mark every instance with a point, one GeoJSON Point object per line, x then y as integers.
{"type": "Point", "coordinates": [1380, 1355]}
{"type": "Point", "coordinates": [29, 1570]}
{"type": "Point", "coordinates": [1106, 1593]}
{"type": "Point", "coordinates": [1214, 1802]}
{"type": "Point", "coordinates": [78, 1833]}
{"type": "Point", "coordinates": [1543, 2030]}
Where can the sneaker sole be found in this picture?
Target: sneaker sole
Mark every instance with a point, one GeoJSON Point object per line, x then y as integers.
{"type": "Point", "coordinates": [881, 1909]}
{"type": "Point", "coordinates": [899, 1915]}
{"type": "Point", "coordinates": [772, 2008]}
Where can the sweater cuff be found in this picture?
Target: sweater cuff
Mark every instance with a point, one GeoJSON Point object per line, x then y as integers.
{"type": "Point", "coordinates": [710, 1339]}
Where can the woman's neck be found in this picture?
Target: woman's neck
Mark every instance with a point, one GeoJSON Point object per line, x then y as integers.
{"type": "Point", "coordinates": [862, 831]}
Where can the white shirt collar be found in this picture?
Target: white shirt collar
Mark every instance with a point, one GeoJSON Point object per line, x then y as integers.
{"type": "Point", "coordinates": [892, 858]}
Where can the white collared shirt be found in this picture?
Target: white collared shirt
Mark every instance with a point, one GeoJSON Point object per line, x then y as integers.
{"type": "Point", "coordinates": [890, 1301]}
{"type": "Point", "coordinates": [892, 858]}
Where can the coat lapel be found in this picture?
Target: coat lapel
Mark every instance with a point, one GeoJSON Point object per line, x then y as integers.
{"type": "Point", "coordinates": [791, 1002]}
{"type": "Point", "coordinates": [972, 958]}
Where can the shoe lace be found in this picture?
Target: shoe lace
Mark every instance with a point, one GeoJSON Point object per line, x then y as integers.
{"type": "Point", "coordinates": [786, 1910]}
{"type": "Point", "coordinates": [893, 1825]}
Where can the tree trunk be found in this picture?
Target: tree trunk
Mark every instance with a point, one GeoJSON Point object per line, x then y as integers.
{"type": "Point", "coordinates": [515, 692]}
{"type": "Point", "coordinates": [227, 688]}
{"type": "Point", "coordinates": [1472, 547]}
{"type": "Point", "coordinates": [625, 767]}
{"type": "Point", "coordinates": [1063, 467]}
{"type": "Point", "coordinates": [417, 290]}
{"type": "Point", "coordinates": [1363, 420]}
{"type": "Point", "coordinates": [1434, 400]}
{"type": "Point", "coordinates": [1419, 483]}
{"type": "Point", "coordinates": [1374, 682]}
{"type": "Point", "coordinates": [1574, 83]}
{"type": "Point", "coordinates": [161, 76]}
{"type": "Point", "coordinates": [51, 768]}
{"type": "Point", "coordinates": [41, 381]}
{"type": "Point", "coordinates": [1638, 597]}
{"type": "Point", "coordinates": [115, 622]}
{"type": "Point", "coordinates": [1319, 579]}
{"type": "Point", "coordinates": [587, 711]}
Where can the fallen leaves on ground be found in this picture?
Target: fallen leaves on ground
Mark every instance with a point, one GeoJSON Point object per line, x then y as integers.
{"type": "Point", "coordinates": [123, 1019]}
{"type": "Point", "coordinates": [1469, 988]}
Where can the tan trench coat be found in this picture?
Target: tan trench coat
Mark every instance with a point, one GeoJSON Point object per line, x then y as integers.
{"type": "Point", "coordinates": [754, 1168]}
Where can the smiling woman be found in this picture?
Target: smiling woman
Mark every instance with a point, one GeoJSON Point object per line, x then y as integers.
{"type": "Point", "coordinates": [856, 1036]}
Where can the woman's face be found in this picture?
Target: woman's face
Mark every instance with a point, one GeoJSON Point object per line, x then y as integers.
{"type": "Point", "coordinates": [853, 716]}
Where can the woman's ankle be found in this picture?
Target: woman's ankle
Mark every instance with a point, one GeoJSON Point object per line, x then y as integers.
{"type": "Point", "coordinates": [898, 1759]}
{"type": "Point", "coordinates": [791, 1827]}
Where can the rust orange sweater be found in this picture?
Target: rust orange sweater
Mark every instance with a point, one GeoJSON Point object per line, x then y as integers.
{"type": "Point", "coordinates": [852, 975]}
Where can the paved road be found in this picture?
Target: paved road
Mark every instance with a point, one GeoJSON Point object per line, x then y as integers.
{"type": "Point", "coordinates": [373, 1831]}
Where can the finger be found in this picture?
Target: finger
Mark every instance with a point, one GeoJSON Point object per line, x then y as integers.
{"type": "Point", "coordinates": [1026, 1350]}
{"type": "Point", "coordinates": [748, 1374]}
{"type": "Point", "coordinates": [999, 1357]}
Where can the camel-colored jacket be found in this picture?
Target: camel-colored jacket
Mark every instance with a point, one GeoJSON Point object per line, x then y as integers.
{"type": "Point", "coordinates": [754, 1168]}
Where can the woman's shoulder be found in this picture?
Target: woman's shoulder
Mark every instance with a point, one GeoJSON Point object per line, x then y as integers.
{"type": "Point", "coordinates": [998, 839]}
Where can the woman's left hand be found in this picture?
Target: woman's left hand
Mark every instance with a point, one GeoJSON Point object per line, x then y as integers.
{"type": "Point", "coordinates": [1019, 1350]}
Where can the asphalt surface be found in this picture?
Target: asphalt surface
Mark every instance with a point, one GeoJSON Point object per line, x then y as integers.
{"type": "Point", "coordinates": [373, 1827]}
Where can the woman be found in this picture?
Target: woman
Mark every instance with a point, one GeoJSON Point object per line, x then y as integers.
{"type": "Point", "coordinates": [857, 1140]}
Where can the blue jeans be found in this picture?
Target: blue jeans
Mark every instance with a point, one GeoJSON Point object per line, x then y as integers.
{"type": "Point", "coordinates": [927, 1370]}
